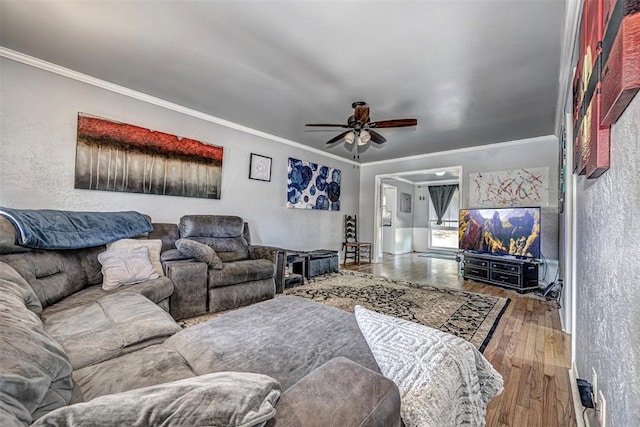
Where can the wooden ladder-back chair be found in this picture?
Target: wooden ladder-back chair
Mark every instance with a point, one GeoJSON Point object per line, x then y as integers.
{"type": "Point", "coordinates": [353, 249]}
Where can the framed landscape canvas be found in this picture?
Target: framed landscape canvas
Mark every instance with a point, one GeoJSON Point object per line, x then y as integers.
{"type": "Point", "coordinates": [113, 156]}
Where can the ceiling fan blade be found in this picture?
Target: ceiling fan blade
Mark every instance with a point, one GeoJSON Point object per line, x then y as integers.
{"type": "Point", "coordinates": [338, 138]}
{"type": "Point", "coordinates": [361, 113]}
{"type": "Point", "coordinates": [376, 137]}
{"type": "Point", "coordinates": [327, 125]}
{"type": "Point", "coordinates": [398, 123]}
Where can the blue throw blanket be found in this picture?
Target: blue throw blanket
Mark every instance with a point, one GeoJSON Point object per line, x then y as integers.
{"type": "Point", "coordinates": [51, 229]}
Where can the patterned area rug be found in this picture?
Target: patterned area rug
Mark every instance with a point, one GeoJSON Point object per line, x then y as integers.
{"type": "Point", "coordinates": [471, 316]}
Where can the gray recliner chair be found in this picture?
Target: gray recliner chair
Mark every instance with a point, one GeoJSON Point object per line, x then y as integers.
{"type": "Point", "coordinates": [249, 272]}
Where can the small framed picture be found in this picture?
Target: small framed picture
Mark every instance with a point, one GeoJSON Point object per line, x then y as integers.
{"type": "Point", "coordinates": [260, 167]}
{"type": "Point", "coordinates": [405, 202]}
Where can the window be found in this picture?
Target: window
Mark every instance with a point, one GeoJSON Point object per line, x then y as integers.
{"type": "Point", "coordinates": [445, 235]}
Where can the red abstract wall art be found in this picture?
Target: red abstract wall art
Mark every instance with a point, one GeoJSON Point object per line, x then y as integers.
{"type": "Point", "coordinates": [607, 78]}
{"type": "Point", "coordinates": [112, 156]}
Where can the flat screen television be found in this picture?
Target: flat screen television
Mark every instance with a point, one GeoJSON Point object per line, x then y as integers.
{"type": "Point", "coordinates": [503, 231]}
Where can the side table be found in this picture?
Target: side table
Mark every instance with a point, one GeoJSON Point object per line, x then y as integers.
{"type": "Point", "coordinates": [296, 266]}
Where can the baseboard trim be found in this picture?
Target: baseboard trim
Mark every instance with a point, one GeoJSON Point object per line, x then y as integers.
{"type": "Point", "coordinates": [575, 394]}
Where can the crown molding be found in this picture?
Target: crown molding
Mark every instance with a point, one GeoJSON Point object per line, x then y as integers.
{"type": "Point", "coordinates": [545, 138]}
{"type": "Point", "coordinates": [398, 178]}
{"type": "Point", "coordinates": [442, 182]}
{"type": "Point", "coordinates": [112, 87]}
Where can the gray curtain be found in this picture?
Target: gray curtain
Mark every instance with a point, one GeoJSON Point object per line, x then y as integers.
{"type": "Point", "coordinates": [441, 197]}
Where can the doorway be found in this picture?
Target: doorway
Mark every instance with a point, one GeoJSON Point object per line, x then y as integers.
{"type": "Point", "coordinates": [388, 205]}
{"type": "Point", "coordinates": [420, 236]}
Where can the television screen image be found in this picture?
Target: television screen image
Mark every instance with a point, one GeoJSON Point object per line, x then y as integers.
{"type": "Point", "coordinates": [505, 231]}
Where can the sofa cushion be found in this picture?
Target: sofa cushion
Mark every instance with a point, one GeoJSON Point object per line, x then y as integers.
{"type": "Point", "coordinates": [35, 374]}
{"type": "Point", "coordinates": [155, 290]}
{"type": "Point", "coordinates": [111, 326]}
{"type": "Point", "coordinates": [233, 273]}
{"type": "Point", "coordinates": [126, 266]}
{"type": "Point", "coordinates": [222, 399]}
{"type": "Point", "coordinates": [156, 364]}
{"type": "Point", "coordinates": [211, 226]}
{"type": "Point", "coordinates": [167, 232]}
{"type": "Point", "coordinates": [54, 275]}
{"type": "Point", "coordinates": [154, 246]}
{"type": "Point", "coordinates": [229, 297]}
{"type": "Point", "coordinates": [225, 234]}
{"type": "Point", "coordinates": [229, 249]}
{"type": "Point", "coordinates": [200, 252]}
{"type": "Point", "coordinates": [16, 285]}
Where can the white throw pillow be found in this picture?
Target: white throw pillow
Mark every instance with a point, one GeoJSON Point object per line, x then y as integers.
{"type": "Point", "coordinates": [126, 267]}
{"type": "Point", "coordinates": [154, 245]}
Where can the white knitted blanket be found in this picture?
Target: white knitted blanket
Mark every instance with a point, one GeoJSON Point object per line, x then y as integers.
{"type": "Point", "coordinates": [443, 380]}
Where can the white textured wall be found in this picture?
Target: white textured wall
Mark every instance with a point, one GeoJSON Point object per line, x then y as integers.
{"type": "Point", "coordinates": [608, 274]}
{"type": "Point", "coordinates": [38, 114]}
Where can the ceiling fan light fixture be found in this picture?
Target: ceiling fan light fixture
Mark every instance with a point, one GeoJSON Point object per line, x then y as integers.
{"type": "Point", "coordinates": [364, 137]}
{"type": "Point", "coordinates": [360, 128]}
{"type": "Point", "coordinates": [349, 138]}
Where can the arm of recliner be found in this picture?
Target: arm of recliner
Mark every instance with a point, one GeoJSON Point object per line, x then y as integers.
{"type": "Point", "coordinates": [189, 296]}
{"type": "Point", "coordinates": [339, 393]}
{"type": "Point", "coordinates": [275, 255]}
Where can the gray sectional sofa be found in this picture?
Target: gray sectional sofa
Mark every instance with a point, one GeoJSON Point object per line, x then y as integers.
{"type": "Point", "coordinates": [72, 353]}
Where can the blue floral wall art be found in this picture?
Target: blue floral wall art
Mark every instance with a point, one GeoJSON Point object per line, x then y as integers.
{"type": "Point", "coordinates": [311, 186]}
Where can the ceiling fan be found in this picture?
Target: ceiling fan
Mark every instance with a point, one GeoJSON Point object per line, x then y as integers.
{"type": "Point", "coordinates": [361, 128]}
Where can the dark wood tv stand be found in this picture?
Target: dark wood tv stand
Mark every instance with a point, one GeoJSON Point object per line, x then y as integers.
{"type": "Point", "coordinates": [509, 272]}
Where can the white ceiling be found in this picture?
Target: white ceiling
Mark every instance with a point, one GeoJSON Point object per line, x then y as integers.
{"type": "Point", "coordinates": [472, 72]}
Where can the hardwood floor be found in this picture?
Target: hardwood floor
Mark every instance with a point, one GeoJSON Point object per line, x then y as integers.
{"type": "Point", "coordinates": [528, 347]}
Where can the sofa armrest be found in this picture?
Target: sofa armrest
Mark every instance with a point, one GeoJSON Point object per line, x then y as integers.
{"type": "Point", "coordinates": [275, 255]}
{"type": "Point", "coordinates": [339, 393]}
{"type": "Point", "coordinates": [264, 252]}
{"type": "Point", "coordinates": [189, 296]}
